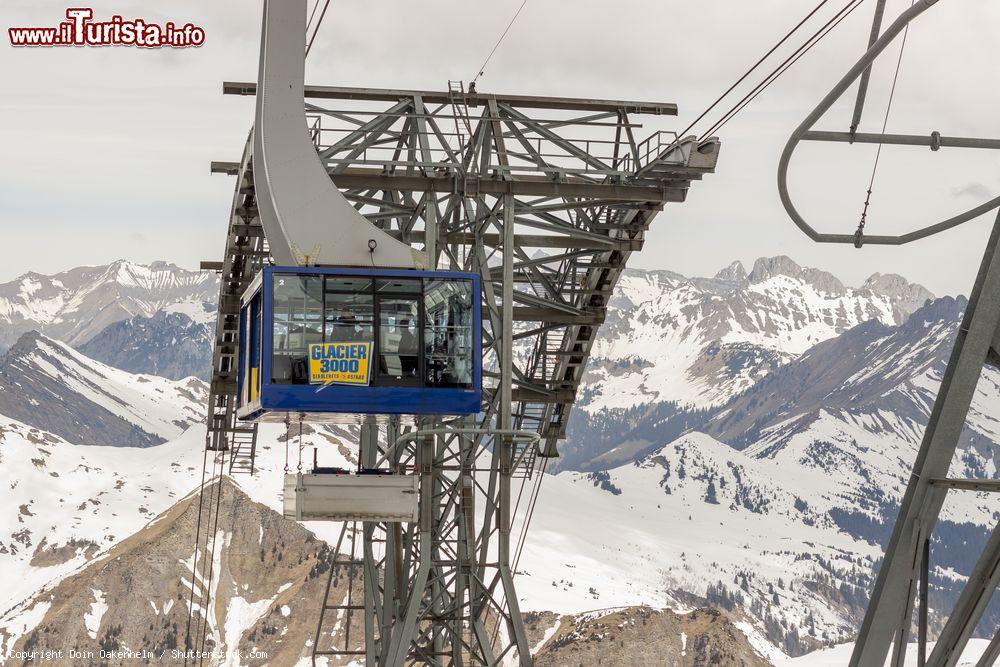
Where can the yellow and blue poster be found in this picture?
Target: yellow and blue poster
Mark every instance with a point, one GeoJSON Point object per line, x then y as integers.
{"type": "Point", "coordinates": [339, 363]}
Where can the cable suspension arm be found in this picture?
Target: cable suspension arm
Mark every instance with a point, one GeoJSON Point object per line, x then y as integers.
{"type": "Point", "coordinates": [803, 131]}
{"type": "Point", "coordinates": [859, 104]}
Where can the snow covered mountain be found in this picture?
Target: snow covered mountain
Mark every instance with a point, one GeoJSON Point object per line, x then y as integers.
{"type": "Point", "coordinates": [169, 344]}
{"type": "Point", "coordinates": [787, 490]}
{"type": "Point", "coordinates": [51, 386]}
{"type": "Point", "coordinates": [699, 341]}
{"type": "Point", "coordinates": [673, 348]}
{"type": "Point", "coordinates": [75, 305]}
{"type": "Point", "coordinates": [702, 482]}
{"type": "Point", "coordinates": [79, 520]}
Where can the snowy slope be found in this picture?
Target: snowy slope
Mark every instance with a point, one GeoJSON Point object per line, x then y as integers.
{"type": "Point", "coordinates": [840, 655]}
{"type": "Point", "coordinates": [53, 387]}
{"type": "Point", "coordinates": [74, 305]}
{"type": "Point", "coordinates": [698, 341]}
{"type": "Point", "coordinates": [692, 515]}
{"type": "Point", "coordinates": [65, 503]}
{"type": "Point", "coordinates": [816, 456]}
{"type": "Point", "coordinates": [69, 504]}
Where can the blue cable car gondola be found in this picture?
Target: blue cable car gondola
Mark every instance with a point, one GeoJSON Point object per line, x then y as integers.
{"type": "Point", "coordinates": [328, 342]}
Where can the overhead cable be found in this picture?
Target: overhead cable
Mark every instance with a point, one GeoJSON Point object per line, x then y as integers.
{"type": "Point", "coordinates": [785, 65]}
{"type": "Point", "coordinates": [482, 68]}
{"type": "Point", "coordinates": [322, 14]}
{"type": "Point", "coordinates": [754, 66]}
{"type": "Point", "coordinates": [859, 235]}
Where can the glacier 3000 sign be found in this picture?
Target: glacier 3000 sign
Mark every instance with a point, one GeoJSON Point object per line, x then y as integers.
{"type": "Point", "coordinates": [81, 30]}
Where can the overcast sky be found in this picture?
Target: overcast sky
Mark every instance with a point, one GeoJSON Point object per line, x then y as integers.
{"type": "Point", "coordinates": [104, 152]}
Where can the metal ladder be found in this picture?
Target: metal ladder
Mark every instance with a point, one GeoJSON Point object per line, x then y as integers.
{"type": "Point", "coordinates": [246, 250]}
{"type": "Point", "coordinates": [243, 449]}
{"type": "Point", "coordinates": [352, 565]}
{"type": "Point", "coordinates": [460, 108]}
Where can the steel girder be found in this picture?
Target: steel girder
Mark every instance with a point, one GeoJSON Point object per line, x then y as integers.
{"type": "Point", "coordinates": [887, 620]}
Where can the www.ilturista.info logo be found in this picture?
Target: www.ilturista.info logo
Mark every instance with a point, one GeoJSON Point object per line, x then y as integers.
{"type": "Point", "coordinates": [82, 30]}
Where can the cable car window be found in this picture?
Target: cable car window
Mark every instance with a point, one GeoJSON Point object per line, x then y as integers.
{"type": "Point", "coordinates": [258, 344]}
{"type": "Point", "coordinates": [349, 318]}
{"type": "Point", "coordinates": [448, 333]}
{"type": "Point", "coordinates": [298, 322]}
{"type": "Point", "coordinates": [399, 340]}
{"type": "Point", "coordinates": [247, 320]}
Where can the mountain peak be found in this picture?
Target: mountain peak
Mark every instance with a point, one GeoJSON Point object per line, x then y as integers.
{"type": "Point", "coordinates": [735, 273]}
{"type": "Point", "coordinates": [783, 265]}
{"type": "Point", "coordinates": [905, 296]}
{"type": "Point", "coordinates": [47, 384]}
{"type": "Point", "coordinates": [25, 344]}
{"type": "Point", "coordinates": [74, 305]}
{"type": "Point", "coordinates": [779, 265]}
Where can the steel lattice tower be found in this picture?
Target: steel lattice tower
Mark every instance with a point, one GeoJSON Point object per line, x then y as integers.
{"type": "Point", "coordinates": [546, 198]}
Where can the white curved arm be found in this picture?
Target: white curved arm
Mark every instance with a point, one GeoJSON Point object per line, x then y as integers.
{"type": "Point", "coordinates": [305, 217]}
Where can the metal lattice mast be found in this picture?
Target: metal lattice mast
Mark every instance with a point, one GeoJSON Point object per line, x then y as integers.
{"type": "Point", "coordinates": [888, 619]}
{"type": "Point", "coordinates": [546, 198]}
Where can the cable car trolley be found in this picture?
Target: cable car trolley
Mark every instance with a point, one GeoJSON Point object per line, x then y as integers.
{"type": "Point", "coordinates": [329, 343]}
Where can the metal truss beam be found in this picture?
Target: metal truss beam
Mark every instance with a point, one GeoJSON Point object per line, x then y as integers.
{"type": "Point", "coordinates": [526, 186]}
{"type": "Point", "coordinates": [470, 99]}
{"type": "Point", "coordinates": [888, 617]}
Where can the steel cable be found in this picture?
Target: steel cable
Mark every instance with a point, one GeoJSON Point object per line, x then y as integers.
{"type": "Point", "coordinates": [785, 65]}
{"type": "Point", "coordinates": [859, 235]}
{"type": "Point", "coordinates": [322, 14]}
{"type": "Point", "coordinates": [482, 68]}
{"type": "Point", "coordinates": [754, 67]}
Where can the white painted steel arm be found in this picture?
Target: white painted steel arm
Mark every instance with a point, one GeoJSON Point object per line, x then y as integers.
{"type": "Point", "coordinates": [804, 129]}
{"type": "Point", "coordinates": [305, 217]}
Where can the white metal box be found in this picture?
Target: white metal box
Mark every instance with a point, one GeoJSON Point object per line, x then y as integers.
{"type": "Point", "coordinates": [333, 497]}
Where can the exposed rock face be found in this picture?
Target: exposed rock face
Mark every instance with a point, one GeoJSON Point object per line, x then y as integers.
{"type": "Point", "coordinates": [46, 555]}
{"type": "Point", "coordinates": [642, 636]}
{"type": "Point", "coordinates": [782, 265]}
{"type": "Point", "coordinates": [734, 273]}
{"type": "Point", "coordinates": [171, 345]}
{"type": "Point", "coordinates": [907, 297]}
{"type": "Point", "coordinates": [267, 583]}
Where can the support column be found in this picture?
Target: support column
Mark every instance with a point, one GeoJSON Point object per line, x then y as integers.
{"type": "Point", "coordinates": [888, 616]}
{"type": "Point", "coordinates": [403, 631]}
{"type": "Point", "coordinates": [367, 457]}
{"type": "Point", "coordinates": [925, 569]}
{"type": "Point", "coordinates": [431, 232]}
{"type": "Point", "coordinates": [466, 547]}
{"type": "Point", "coordinates": [515, 623]}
